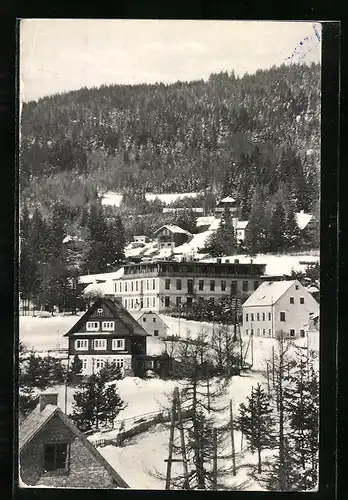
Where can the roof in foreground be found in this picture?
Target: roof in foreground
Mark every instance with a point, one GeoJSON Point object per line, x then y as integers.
{"type": "Point", "coordinates": [268, 293]}
{"type": "Point", "coordinates": [36, 420]}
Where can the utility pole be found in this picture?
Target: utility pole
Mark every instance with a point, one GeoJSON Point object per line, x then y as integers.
{"type": "Point", "coordinates": [66, 387]}
{"type": "Point", "coordinates": [232, 439]}
{"type": "Point", "coordinates": [268, 386]}
{"type": "Point", "coordinates": [171, 442]}
{"type": "Point", "coordinates": [273, 366]}
{"type": "Point", "coordinates": [208, 392]}
{"type": "Point", "coordinates": [182, 438]}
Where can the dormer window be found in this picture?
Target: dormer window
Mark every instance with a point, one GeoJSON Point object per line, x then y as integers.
{"type": "Point", "coordinates": [92, 326]}
{"type": "Point", "coordinates": [108, 326]}
{"type": "Point", "coordinates": [100, 311]}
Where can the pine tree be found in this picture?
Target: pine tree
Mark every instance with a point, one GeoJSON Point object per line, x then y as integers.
{"type": "Point", "coordinates": [120, 239]}
{"type": "Point", "coordinates": [75, 369]}
{"type": "Point", "coordinates": [256, 236]}
{"type": "Point", "coordinates": [256, 422]}
{"type": "Point", "coordinates": [278, 222]}
{"type": "Point", "coordinates": [110, 372]}
{"type": "Point", "coordinates": [291, 231]}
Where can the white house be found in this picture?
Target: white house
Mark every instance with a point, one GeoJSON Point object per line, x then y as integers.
{"type": "Point", "coordinates": [153, 324]}
{"type": "Point", "coordinates": [278, 306]}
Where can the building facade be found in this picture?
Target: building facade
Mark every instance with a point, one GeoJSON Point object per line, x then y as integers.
{"type": "Point", "coordinates": [107, 333]}
{"type": "Point", "coordinates": [53, 453]}
{"type": "Point", "coordinates": [278, 306]}
{"type": "Point", "coordinates": [153, 324]}
{"type": "Point", "coordinates": [169, 236]}
{"type": "Point", "coordinates": [229, 203]}
{"type": "Point", "coordinates": [165, 285]}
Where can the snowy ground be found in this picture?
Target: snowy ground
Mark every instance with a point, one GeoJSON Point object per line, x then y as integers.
{"type": "Point", "coordinates": [113, 198]}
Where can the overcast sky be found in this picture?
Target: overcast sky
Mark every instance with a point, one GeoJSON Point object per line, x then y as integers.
{"type": "Point", "coordinates": [62, 55]}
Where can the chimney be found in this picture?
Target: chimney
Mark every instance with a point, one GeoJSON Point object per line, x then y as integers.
{"type": "Point", "coordinates": [218, 261]}
{"type": "Point", "coordinates": [48, 399]}
{"type": "Point", "coordinates": [227, 261]}
{"type": "Point", "coordinates": [236, 261]}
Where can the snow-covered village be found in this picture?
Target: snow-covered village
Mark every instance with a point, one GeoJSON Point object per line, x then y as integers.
{"type": "Point", "coordinates": [169, 267]}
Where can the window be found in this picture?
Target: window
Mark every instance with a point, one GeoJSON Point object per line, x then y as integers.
{"type": "Point", "coordinates": [81, 345]}
{"type": "Point", "coordinates": [155, 332]}
{"type": "Point", "coordinates": [257, 316]}
{"type": "Point", "coordinates": [247, 317]}
{"type": "Point", "coordinates": [119, 362]}
{"type": "Point", "coordinates": [201, 285]}
{"type": "Point", "coordinates": [269, 316]}
{"type": "Point", "coordinates": [99, 344]}
{"type": "Point", "coordinates": [126, 303]}
{"type": "Point", "coordinates": [137, 286]}
{"type": "Point", "coordinates": [258, 331]}
{"type": "Point", "coordinates": [296, 286]}
{"type": "Point", "coordinates": [292, 332]}
{"type": "Point", "coordinates": [282, 316]}
{"type": "Point", "coordinates": [108, 326]}
{"type": "Point", "coordinates": [302, 333]}
{"type": "Point", "coordinates": [269, 333]}
{"type": "Point", "coordinates": [252, 332]}
{"type": "Point", "coordinates": [245, 286]}
{"type": "Point", "coordinates": [115, 287]}
{"type": "Point", "coordinates": [233, 287]}
{"type": "Point", "coordinates": [99, 363]}
{"type": "Point", "coordinates": [263, 332]}
{"type": "Point", "coordinates": [132, 286]}
{"type": "Point", "coordinates": [100, 311]}
{"type": "Point", "coordinates": [178, 284]}
{"type": "Point", "coordinates": [301, 300]}
{"type": "Point", "coordinates": [144, 319]}
{"type": "Point", "coordinates": [223, 286]}
{"type": "Point", "coordinates": [246, 332]}
{"type": "Point", "coordinates": [292, 300]}
{"type": "Point", "coordinates": [189, 301]}
{"type": "Point", "coordinates": [153, 301]}
{"type": "Point", "coordinates": [154, 320]}
{"type": "Point", "coordinates": [153, 284]}
{"type": "Point", "coordinates": [92, 326]}
{"type": "Point", "coordinates": [55, 457]}
{"type": "Point", "coordinates": [118, 344]}
{"type": "Point", "coordinates": [263, 317]}
{"type": "Point", "coordinates": [178, 301]}
{"type": "Point", "coordinates": [84, 363]}
{"type": "Point", "coordinates": [125, 287]}
{"type": "Point", "coordinates": [147, 285]}
{"type": "Point", "coordinates": [212, 285]}
{"type": "Point", "coordinates": [166, 301]}
{"type": "Point", "coordinates": [252, 316]}
{"type": "Point", "coordinates": [167, 284]}
{"type": "Point", "coordinates": [147, 302]}
{"type": "Point", "coordinates": [256, 285]}
{"type": "Point", "coordinates": [120, 287]}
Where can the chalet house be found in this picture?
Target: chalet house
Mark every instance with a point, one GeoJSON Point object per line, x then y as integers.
{"type": "Point", "coordinates": [278, 306]}
{"type": "Point", "coordinates": [107, 332]}
{"type": "Point", "coordinates": [141, 239]}
{"type": "Point", "coordinates": [169, 236]}
{"type": "Point", "coordinates": [229, 203]}
{"type": "Point", "coordinates": [53, 453]}
{"type": "Point", "coordinates": [153, 324]}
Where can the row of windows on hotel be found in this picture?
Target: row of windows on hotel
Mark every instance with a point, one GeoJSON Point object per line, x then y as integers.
{"type": "Point", "coordinates": [133, 286]}
{"type": "Point", "coordinates": [263, 330]}
{"type": "Point", "coordinates": [262, 316]}
{"type": "Point", "coordinates": [99, 344]}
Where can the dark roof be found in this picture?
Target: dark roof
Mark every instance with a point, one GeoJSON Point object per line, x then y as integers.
{"type": "Point", "coordinates": [36, 421]}
{"type": "Point", "coordinates": [119, 312]}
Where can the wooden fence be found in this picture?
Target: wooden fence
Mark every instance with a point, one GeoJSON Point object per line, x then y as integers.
{"type": "Point", "coordinates": [139, 429]}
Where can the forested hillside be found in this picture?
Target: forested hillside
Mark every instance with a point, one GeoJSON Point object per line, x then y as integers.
{"type": "Point", "coordinates": [226, 135]}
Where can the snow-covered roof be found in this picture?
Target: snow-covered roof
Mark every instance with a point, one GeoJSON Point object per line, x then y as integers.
{"type": "Point", "coordinates": [303, 219]}
{"type": "Point", "coordinates": [312, 289]}
{"type": "Point", "coordinates": [102, 288]}
{"type": "Point", "coordinates": [205, 221]}
{"type": "Point", "coordinates": [173, 229]}
{"type": "Point", "coordinates": [228, 199]}
{"type": "Point", "coordinates": [94, 278]}
{"type": "Point", "coordinates": [242, 224]}
{"type": "Point", "coordinates": [268, 293]}
{"type": "Point", "coordinates": [71, 238]}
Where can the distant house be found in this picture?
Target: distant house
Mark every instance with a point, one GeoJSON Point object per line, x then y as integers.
{"type": "Point", "coordinates": [53, 453]}
{"type": "Point", "coordinates": [240, 226]}
{"type": "Point", "coordinates": [171, 236]}
{"type": "Point", "coordinates": [107, 332]}
{"type": "Point", "coordinates": [278, 306]}
{"type": "Point", "coordinates": [141, 239]}
{"type": "Point", "coordinates": [173, 210]}
{"type": "Point", "coordinates": [303, 219]}
{"type": "Point", "coordinates": [229, 203]}
{"type": "Point", "coordinates": [153, 324]}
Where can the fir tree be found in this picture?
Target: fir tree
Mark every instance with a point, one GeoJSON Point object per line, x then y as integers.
{"type": "Point", "coordinates": [291, 231]}
{"type": "Point", "coordinates": [256, 422]}
{"type": "Point", "coordinates": [75, 369]}
{"type": "Point", "coordinates": [277, 225]}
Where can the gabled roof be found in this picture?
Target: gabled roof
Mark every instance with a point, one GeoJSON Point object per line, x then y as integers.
{"type": "Point", "coordinates": [103, 277]}
{"type": "Point", "coordinates": [268, 293]}
{"type": "Point", "coordinates": [303, 219]}
{"type": "Point", "coordinates": [173, 229]}
{"type": "Point", "coordinates": [36, 421]}
{"type": "Point", "coordinates": [150, 312]}
{"type": "Point", "coordinates": [119, 312]}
